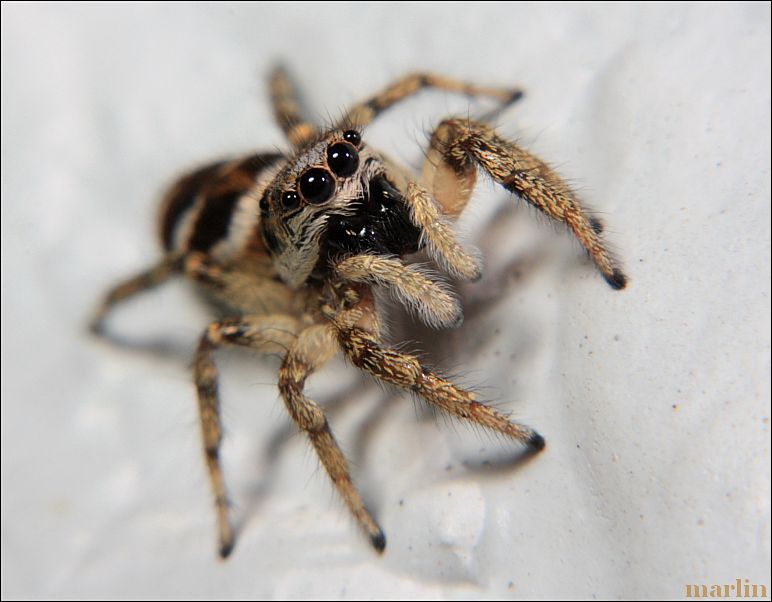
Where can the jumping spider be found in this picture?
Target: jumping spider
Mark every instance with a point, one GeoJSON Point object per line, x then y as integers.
{"type": "Point", "coordinates": [294, 246]}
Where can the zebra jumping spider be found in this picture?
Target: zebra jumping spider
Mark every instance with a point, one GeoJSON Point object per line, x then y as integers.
{"type": "Point", "coordinates": [294, 245]}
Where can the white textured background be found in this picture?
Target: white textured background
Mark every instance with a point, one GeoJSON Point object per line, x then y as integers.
{"type": "Point", "coordinates": [655, 402]}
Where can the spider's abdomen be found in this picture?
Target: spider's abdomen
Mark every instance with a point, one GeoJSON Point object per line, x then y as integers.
{"type": "Point", "coordinates": [216, 206]}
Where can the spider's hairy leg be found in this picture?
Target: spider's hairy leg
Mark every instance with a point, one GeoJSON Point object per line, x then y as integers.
{"type": "Point", "coordinates": [287, 109]}
{"type": "Point", "coordinates": [155, 276]}
{"type": "Point", "coordinates": [438, 234]}
{"type": "Point", "coordinates": [459, 146]}
{"type": "Point", "coordinates": [368, 110]}
{"type": "Point", "coordinates": [433, 302]}
{"type": "Point", "coordinates": [266, 334]}
{"type": "Point", "coordinates": [314, 346]}
{"type": "Point", "coordinates": [406, 371]}
{"type": "Point", "coordinates": [248, 292]}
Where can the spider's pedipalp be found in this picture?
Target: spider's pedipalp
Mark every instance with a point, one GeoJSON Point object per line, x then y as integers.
{"type": "Point", "coordinates": [436, 305]}
{"type": "Point", "coordinates": [438, 236]}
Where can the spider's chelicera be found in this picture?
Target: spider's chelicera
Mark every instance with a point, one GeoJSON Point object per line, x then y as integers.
{"type": "Point", "coordinates": [294, 245]}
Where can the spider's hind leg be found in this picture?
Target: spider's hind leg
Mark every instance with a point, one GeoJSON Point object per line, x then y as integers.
{"type": "Point", "coordinates": [460, 146]}
{"type": "Point", "coordinates": [155, 276]}
{"type": "Point", "coordinates": [287, 109]}
{"type": "Point", "coordinates": [313, 347]}
{"type": "Point", "coordinates": [265, 334]}
{"type": "Point", "coordinates": [370, 109]}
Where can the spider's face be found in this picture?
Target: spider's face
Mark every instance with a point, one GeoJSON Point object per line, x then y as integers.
{"type": "Point", "coordinates": [332, 200]}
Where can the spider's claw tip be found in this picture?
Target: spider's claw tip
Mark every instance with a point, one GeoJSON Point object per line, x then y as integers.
{"type": "Point", "coordinates": [225, 550]}
{"type": "Point", "coordinates": [616, 279]}
{"type": "Point", "coordinates": [536, 443]}
{"type": "Point", "coordinates": [514, 96]}
{"type": "Point", "coordinates": [379, 541]}
{"type": "Point", "coordinates": [476, 276]}
{"type": "Point", "coordinates": [97, 324]}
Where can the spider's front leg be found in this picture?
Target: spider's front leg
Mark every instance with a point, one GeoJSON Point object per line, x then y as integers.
{"type": "Point", "coordinates": [365, 351]}
{"type": "Point", "coordinates": [460, 146]}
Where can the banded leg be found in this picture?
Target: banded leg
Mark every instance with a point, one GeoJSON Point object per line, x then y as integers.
{"type": "Point", "coordinates": [314, 346]}
{"type": "Point", "coordinates": [365, 112]}
{"type": "Point", "coordinates": [155, 276]}
{"type": "Point", "coordinates": [266, 334]}
{"type": "Point", "coordinates": [406, 371]}
{"type": "Point", "coordinates": [459, 146]}
{"type": "Point", "coordinates": [287, 110]}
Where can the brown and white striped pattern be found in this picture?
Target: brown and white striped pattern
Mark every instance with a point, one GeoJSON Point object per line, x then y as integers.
{"type": "Point", "coordinates": [215, 209]}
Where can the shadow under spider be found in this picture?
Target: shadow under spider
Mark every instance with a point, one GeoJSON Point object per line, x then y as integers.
{"type": "Point", "coordinates": [257, 490]}
{"type": "Point", "coordinates": [160, 348]}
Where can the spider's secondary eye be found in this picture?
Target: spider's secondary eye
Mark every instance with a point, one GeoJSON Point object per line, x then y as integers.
{"type": "Point", "coordinates": [316, 185]}
{"type": "Point", "coordinates": [290, 199]}
{"type": "Point", "coordinates": [352, 136]}
{"type": "Point", "coordinates": [342, 159]}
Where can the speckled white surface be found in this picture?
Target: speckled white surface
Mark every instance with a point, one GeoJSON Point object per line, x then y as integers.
{"type": "Point", "coordinates": [655, 402]}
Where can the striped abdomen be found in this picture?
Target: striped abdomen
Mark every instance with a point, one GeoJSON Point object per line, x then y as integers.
{"type": "Point", "coordinates": [215, 210]}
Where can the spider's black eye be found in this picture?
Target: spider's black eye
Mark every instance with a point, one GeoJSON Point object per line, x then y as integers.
{"type": "Point", "coordinates": [264, 205]}
{"type": "Point", "coordinates": [352, 136]}
{"type": "Point", "coordinates": [290, 199]}
{"type": "Point", "coordinates": [342, 159]}
{"type": "Point", "coordinates": [316, 185]}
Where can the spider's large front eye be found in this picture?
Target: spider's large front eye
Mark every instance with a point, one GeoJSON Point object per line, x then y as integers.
{"type": "Point", "coordinates": [342, 159]}
{"type": "Point", "coordinates": [316, 185]}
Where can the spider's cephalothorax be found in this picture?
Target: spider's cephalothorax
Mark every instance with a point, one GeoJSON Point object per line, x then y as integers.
{"type": "Point", "coordinates": [333, 199]}
{"type": "Point", "coordinates": [292, 246]}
